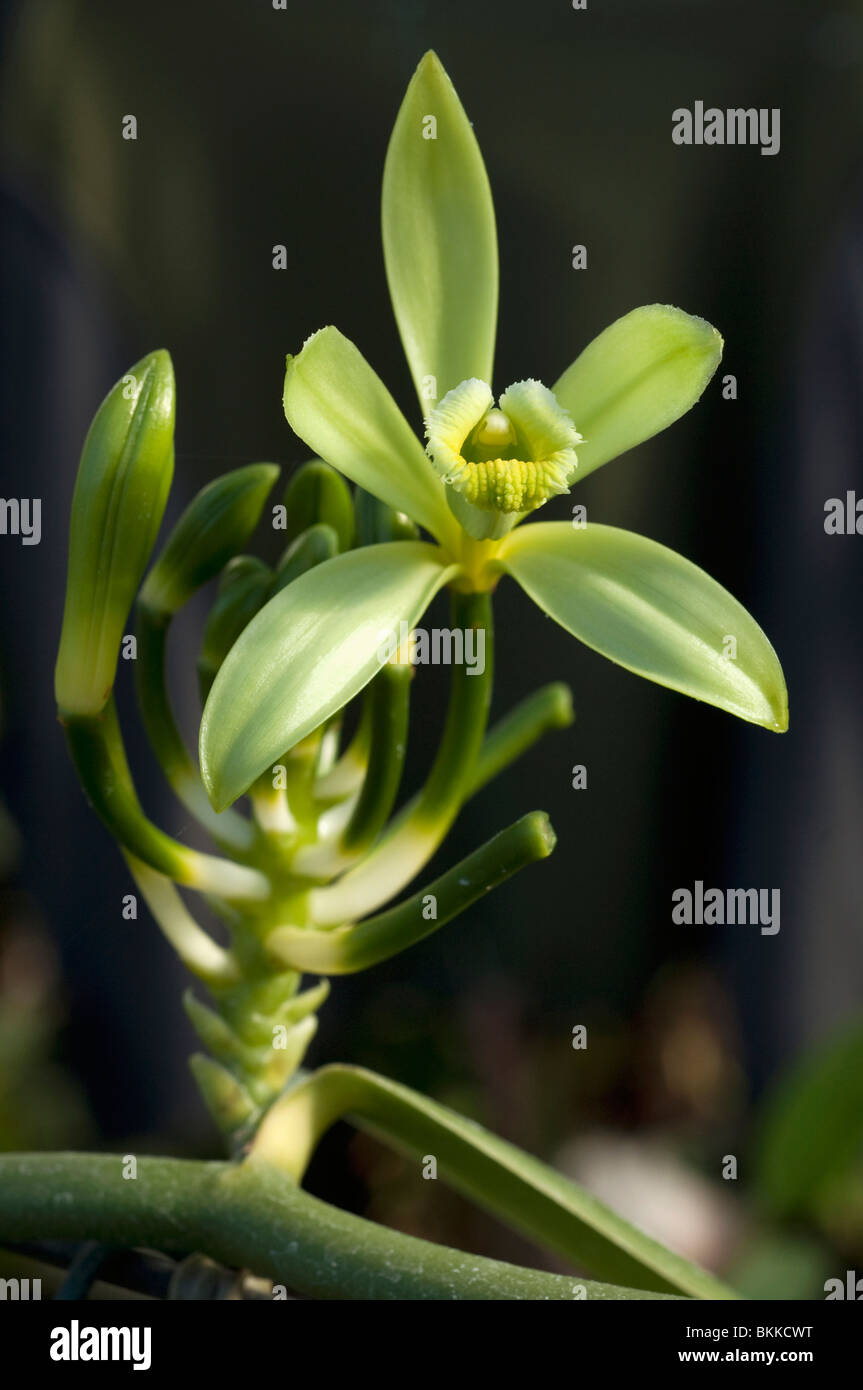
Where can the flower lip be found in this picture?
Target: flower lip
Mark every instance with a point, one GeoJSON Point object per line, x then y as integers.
{"type": "Point", "coordinates": [508, 458]}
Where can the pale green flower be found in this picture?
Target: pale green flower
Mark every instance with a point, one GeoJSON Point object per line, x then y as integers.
{"type": "Point", "coordinates": [486, 467]}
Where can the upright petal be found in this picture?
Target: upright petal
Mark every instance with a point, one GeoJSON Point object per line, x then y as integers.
{"type": "Point", "coordinates": [640, 375]}
{"type": "Point", "coordinates": [306, 653]}
{"type": "Point", "coordinates": [440, 241]}
{"type": "Point", "coordinates": [645, 607]}
{"type": "Point", "coordinates": [343, 411]}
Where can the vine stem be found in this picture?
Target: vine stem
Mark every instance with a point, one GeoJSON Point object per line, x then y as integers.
{"type": "Point", "coordinates": [250, 1215]}
{"type": "Point", "coordinates": [509, 1183]}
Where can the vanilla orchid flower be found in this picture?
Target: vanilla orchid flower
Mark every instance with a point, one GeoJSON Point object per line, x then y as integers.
{"type": "Point", "coordinates": [489, 462]}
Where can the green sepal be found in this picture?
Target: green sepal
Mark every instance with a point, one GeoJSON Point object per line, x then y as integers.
{"type": "Point", "coordinates": [439, 237]}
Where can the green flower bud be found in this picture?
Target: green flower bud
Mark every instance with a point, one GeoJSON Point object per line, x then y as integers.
{"type": "Point", "coordinates": [317, 493]}
{"type": "Point", "coordinates": [378, 523]}
{"type": "Point", "coordinates": [214, 526]}
{"type": "Point", "coordinates": [243, 588]}
{"type": "Point", "coordinates": [314, 546]}
{"type": "Point", "coordinates": [117, 507]}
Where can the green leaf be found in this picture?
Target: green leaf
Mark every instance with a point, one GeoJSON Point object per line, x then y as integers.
{"type": "Point", "coordinates": [440, 242]}
{"type": "Point", "coordinates": [341, 408]}
{"type": "Point", "coordinates": [645, 607]}
{"type": "Point", "coordinates": [119, 499]}
{"type": "Point", "coordinates": [640, 375]}
{"type": "Point", "coordinates": [812, 1126]}
{"type": "Point", "coordinates": [215, 525]}
{"type": "Point", "coordinates": [512, 1185]}
{"type": "Point", "coordinates": [306, 653]}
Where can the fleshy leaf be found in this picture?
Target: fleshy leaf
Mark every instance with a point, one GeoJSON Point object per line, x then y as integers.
{"type": "Point", "coordinates": [650, 610]}
{"type": "Point", "coordinates": [637, 377]}
{"type": "Point", "coordinates": [336, 403]}
{"type": "Point", "coordinates": [306, 653]}
{"type": "Point", "coordinates": [440, 242]}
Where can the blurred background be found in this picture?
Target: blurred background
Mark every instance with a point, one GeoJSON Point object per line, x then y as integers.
{"type": "Point", "coordinates": [259, 126]}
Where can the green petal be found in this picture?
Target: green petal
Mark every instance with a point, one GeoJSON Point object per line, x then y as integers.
{"type": "Point", "coordinates": [645, 607]}
{"type": "Point", "coordinates": [639, 376]}
{"type": "Point", "coordinates": [343, 411]}
{"type": "Point", "coordinates": [305, 654]}
{"type": "Point", "coordinates": [440, 242]}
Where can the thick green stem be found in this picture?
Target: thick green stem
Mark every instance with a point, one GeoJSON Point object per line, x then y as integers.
{"type": "Point", "coordinates": [97, 750]}
{"type": "Point", "coordinates": [229, 828]}
{"type": "Point", "coordinates": [418, 831]}
{"type": "Point", "coordinates": [251, 1216]}
{"type": "Point", "coordinates": [389, 697]}
{"type": "Point", "coordinates": [385, 717]}
{"type": "Point", "coordinates": [344, 950]}
{"type": "Point", "coordinates": [509, 1183]}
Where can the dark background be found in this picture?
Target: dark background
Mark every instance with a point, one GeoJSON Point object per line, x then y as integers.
{"type": "Point", "coordinates": [258, 127]}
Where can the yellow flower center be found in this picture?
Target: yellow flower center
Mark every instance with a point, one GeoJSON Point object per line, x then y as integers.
{"type": "Point", "coordinates": [509, 458]}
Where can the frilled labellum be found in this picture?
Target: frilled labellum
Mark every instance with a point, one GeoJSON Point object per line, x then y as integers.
{"type": "Point", "coordinates": [499, 462]}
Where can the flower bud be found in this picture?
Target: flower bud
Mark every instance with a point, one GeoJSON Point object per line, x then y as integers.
{"type": "Point", "coordinates": [120, 495]}
{"type": "Point", "coordinates": [243, 588]}
{"type": "Point", "coordinates": [214, 526]}
{"type": "Point", "coordinates": [378, 523]}
{"type": "Point", "coordinates": [314, 546]}
{"type": "Point", "coordinates": [317, 493]}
